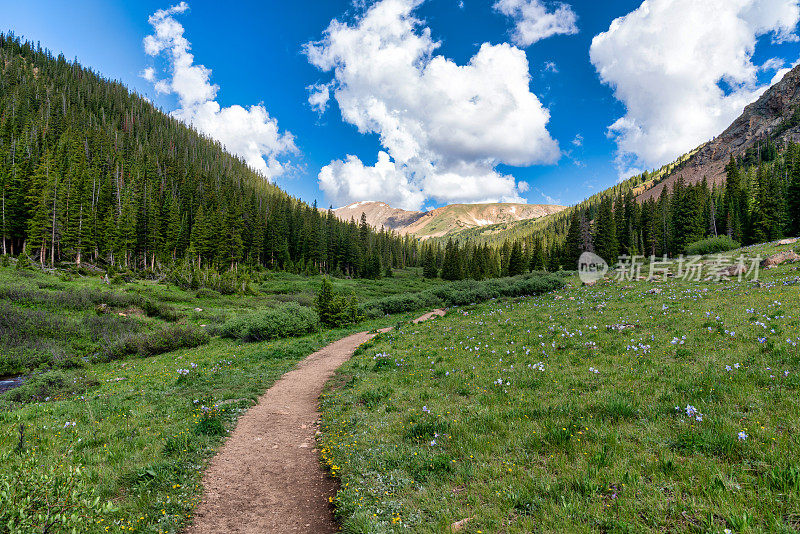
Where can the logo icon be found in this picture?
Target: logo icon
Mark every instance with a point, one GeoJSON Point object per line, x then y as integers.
{"type": "Point", "coordinates": [591, 268]}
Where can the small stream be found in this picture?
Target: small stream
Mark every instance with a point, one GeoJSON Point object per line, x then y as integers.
{"type": "Point", "coordinates": [10, 382]}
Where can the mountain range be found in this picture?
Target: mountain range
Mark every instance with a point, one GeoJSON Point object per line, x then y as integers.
{"type": "Point", "coordinates": [448, 220]}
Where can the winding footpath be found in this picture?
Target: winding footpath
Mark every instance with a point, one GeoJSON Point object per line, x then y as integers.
{"type": "Point", "coordinates": [267, 477]}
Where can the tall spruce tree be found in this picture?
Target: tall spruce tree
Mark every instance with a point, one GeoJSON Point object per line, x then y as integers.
{"type": "Point", "coordinates": [605, 239]}
{"type": "Point", "coordinates": [429, 269]}
{"type": "Point", "coordinates": [538, 261]}
{"type": "Point", "coordinates": [452, 266]}
{"type": "Point", "coordinates": [516, 262]}
{"type": "Point", "coordinates": [793, 193]}
{"type": "Point", "coordinates": [573, 243]}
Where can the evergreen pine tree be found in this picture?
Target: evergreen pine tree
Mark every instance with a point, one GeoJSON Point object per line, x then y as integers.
{"type": "Point", "coordinates": [324, 302]}
{"type": "Point", "coordinates": [516, 263]}
{"type": "Point", "coordinates": [429, 269]}
{"type": "Point", "coordinates": [231, 247]}
{"type": "Point", "coordinates": [793, 195]}
{"type": "Point", "coordinates": [505, 257]}
{"type": "Point", "coordinates": [538, 261]}
{"type": "Point", "coordinates": [572, 244]}
{"type": "Point", "coordinates": [452, 267]}
{"type": "Point", "coordinates": [43, 201]}
{"type": "Point", "coordinates": [605, 238]}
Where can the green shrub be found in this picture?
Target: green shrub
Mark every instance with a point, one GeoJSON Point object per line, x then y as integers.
{"type": "Point", "coordinates": [712, 245]}
{"type": "Point", "coordinates": [228, 283]}
{"type": "Point", "coordinates": [208, 293]}
{"type": "Point", "coordinates": [288, 320]}
{"type": "Point", "coordinates": [50, 384]}
{"type": "Point", "coordinates": [373, 313]}
{"type": "Point", "coordinates": [465, 292]}
{"type": "Point", "coordinates": [48, 498]}
{"type": "Point", "coordinates": [167, 313]}
{"type": "Point", "coordinates": [152, 343]}
{"type": "Point", "coordinates": [24, 261]}
{"type": "Point", "coordinates": [335, 308]}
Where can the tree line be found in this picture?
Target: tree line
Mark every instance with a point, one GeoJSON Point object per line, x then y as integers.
{"type": "Point", "coordinates": [90, 172]}
{"type": "Point", "coordinates": [759, 202]}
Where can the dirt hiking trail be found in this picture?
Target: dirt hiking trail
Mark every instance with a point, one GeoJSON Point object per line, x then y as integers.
{"type": "Point", "coordinates": [267, 478]}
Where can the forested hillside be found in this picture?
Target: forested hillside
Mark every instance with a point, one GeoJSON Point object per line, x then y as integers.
{"type": "Point", "coordinates": [759, 201]}
{"type": "Point", "coordinates": [516, 230]}
{"type": "Point", "coordinates": [743, 184]}
{"type": "Point", "coordinates": [90, 172]}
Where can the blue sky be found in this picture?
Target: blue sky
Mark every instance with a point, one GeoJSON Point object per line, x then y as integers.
{"type": "Point", "coordinates": [674, 73]}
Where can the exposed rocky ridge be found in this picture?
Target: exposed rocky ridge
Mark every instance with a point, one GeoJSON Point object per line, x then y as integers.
{"type": "Point", "coordinates": [378, 214]}
{"type": "Point", "coordinates": [758, 121]}
{"type": "Point", "coordinates": [445, 220]}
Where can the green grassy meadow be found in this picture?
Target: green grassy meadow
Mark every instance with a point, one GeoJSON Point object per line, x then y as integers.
{"type": "Point", "coordinates": [120, 445]}
{"type": "Point", "coordinates": [575, 410]}
{"type": "Point", "coordinates": [50, 321]}
{"type": "Point", "coordinates": [628, 406]}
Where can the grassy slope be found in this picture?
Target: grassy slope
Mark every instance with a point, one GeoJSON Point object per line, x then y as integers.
{"type": "Point", "coordinates": [422, 435]}
{"type": "Point", "coordinates": [54, 318]}
{"type": "Point", "coordinates": [138, 431]}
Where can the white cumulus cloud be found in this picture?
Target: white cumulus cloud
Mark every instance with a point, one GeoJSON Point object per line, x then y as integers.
{"type": "Point", "coordinates": [668, 62]}
{"type": "Point", "coordinates": [318, 96]}
{"type": "Point", "coordinates": [148, 74]}
{"type": "Point", "coordinates": [444, 127]}
{"type": "Point", "coordinates": [349, 180]}
{"type": "Point", "coordinates": [533, 22]}
{"type": "Point", "coordinates": [250, 132]}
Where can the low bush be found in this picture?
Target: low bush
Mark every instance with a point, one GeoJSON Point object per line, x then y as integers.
{"type": "Point", "coordinates": [175, 337]}
{"type": "Point", "coordinates": [109, 328]}
{"type": "Point", "coordinates": [49, 498]}
{"type": "Point", "coordinates": [50, 384]}
{"type": "Point", "coordinates": [303, 299]}
{"type": "Point", "coordinates": [373, 313]}
{"type": "Point", "coordinates": [208, 293]}
{"type": "Point", "coordinates": [712, 245]}
{"type": "Point", "coordinates": [335, 308]}
{"type": "Point", "coordinates": [79, 299]}
{"type": "Point", "coordinates": [18, 324]}
{"type": "Point", "coordinates": [288, 320]}
{"type": "Point", "coordinates": [464, 292]}
{"type": "Point", "coordinates": [167, 313]}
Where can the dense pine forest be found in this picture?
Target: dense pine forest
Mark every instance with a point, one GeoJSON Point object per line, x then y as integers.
{"type": "Point", "coordinates": [91, 173]}
{"type": "Point", "coordinates": [759, 202]}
